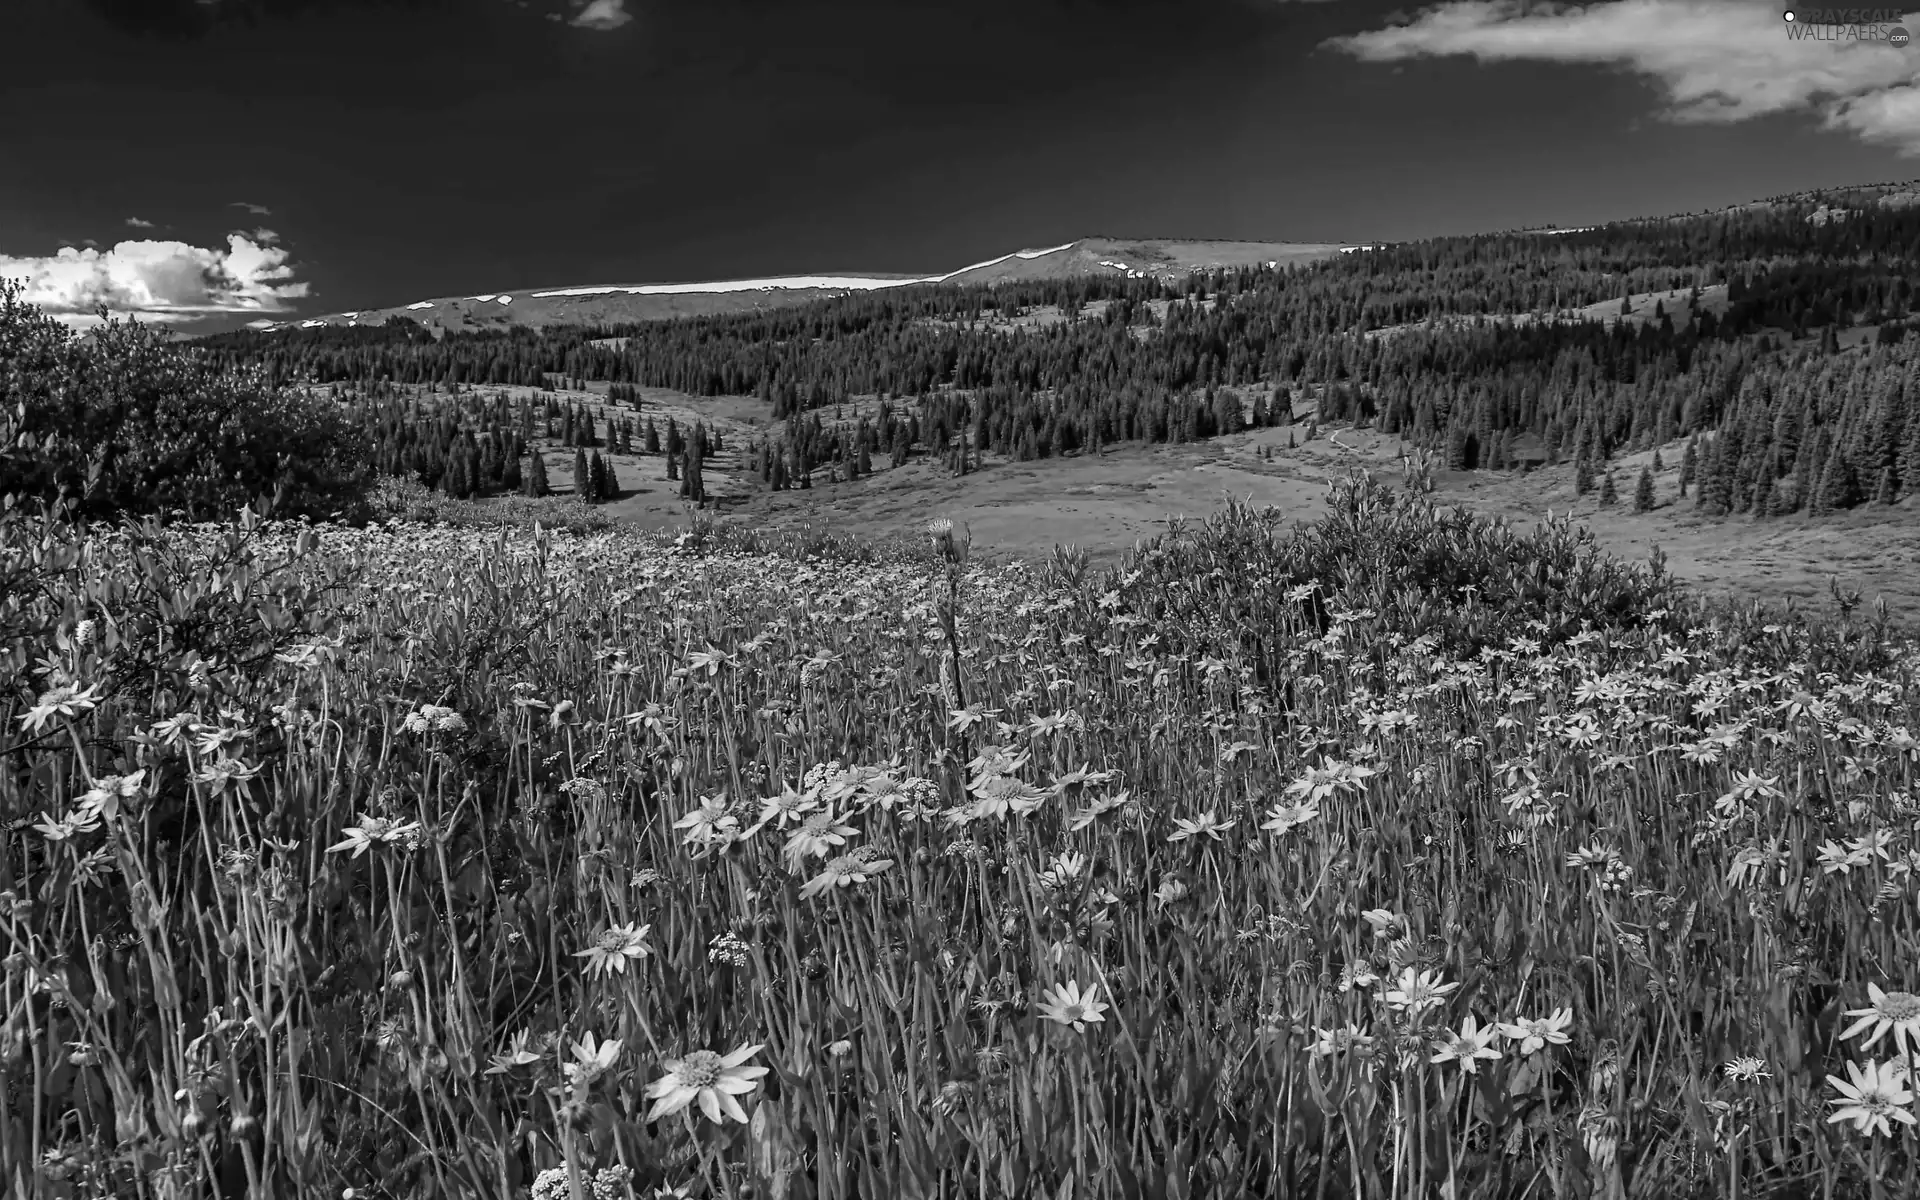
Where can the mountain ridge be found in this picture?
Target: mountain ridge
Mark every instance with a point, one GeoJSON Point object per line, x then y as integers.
{"type": "Point", "coordinates": [589, 304]}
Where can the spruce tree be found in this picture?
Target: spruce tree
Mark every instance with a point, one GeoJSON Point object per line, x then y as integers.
{"type": "Point", "coordinates": [582, 481]}
{"type": "Point", "coordinates": [596, 478]}
{"type": "Point", "coordinates": [1834, 488]}
{"type": "Point", "coordinates": [1886, 493]}
{"type": "Point", "coordinates": [1764, 501]}
{"type": "Point", "coordinates": [1608, 493]}
{"type": "Point", "coordinates": [537, 475]}
{"type": "Point", "coordinates": [1582, 476]}
{"type": "Point", "coordinates": [1643, 491]}
{"type": "Point", "coordinates": [1689, 463]}
{"type": "Point", "coordinates": [612, 489]}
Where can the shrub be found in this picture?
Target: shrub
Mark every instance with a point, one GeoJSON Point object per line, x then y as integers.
{"type": "Point", "coordinates": [126, 423]}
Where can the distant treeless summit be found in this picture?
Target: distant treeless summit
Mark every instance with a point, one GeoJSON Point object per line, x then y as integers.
{"type": "Point", "coordinates": [595, 304]}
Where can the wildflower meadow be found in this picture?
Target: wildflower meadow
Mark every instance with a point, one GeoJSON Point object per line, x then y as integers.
{"type": "Point", "coordinates": [1394, 854]}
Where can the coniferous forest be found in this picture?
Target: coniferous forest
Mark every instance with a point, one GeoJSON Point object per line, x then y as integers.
{"type": "Point", "coordinates": [1472, 347]}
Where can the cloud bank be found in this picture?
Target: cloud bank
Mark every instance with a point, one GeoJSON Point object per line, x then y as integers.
{"type": "Point", "coordinates": [1718, 61]}
{"type": "Point", "coordinates": [170, 281]}
{"type": "Point", "coordinates": [603, 14]}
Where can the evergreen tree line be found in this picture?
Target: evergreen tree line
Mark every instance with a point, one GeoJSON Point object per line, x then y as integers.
{"type": "Point", "coordinates": [1145, 360]}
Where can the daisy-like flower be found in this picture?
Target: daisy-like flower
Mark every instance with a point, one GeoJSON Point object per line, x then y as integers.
{"type": "Point", "coordinates": [1747, 1069]}
{"type": "Point", "coordinates": [1468, 1046]}
{"type": "Point", "coordinates": [1357, 974]}
{"type": "Point", "coordinates": [227, 772]}
{"type": "Point", "coordinates": [591, 1060]}
{"type": "Point", "coordinates": [709, 824]}
{"type": "Point", "coordinates": [611, 950]}
{"type": "Point", "coordinates": [1004, 794]}
{"type": "Point", "coordinates": [1888, 1012]}
{"type": "Point", "coordinates": [843, 871]}
{"type": "Point", "coordinates": [1875, 1094]}
{"type": "Point", "coordinates": [1063, 871]}
{"type": "Point", "coordinates": [65, 827]}
{"type": "Point", "coordinates": [103, 799]}
{"type": "Point", "coordinates": [711, 1079]}
{"type": "Point", "coordinates": [1097, 808]}
{"type": "Point", "coordinates": [1416, 992]}
{"type": "Point", "coordinates": [1207, 823]}
{"type": "Point", "coordinates": [785, 808]}
{"type": "Point", "coordinates": [67, 700]}
{"type": "Point", "coordinates": [1068, 1005]}
{"type": "Point", "coordinates": [1536, 1033]}
{"type": "Point", "coordinates": [373, 831]}
{"type": "Point", "coordinates": [174, 730]}
{"type": "Point", "coordinates": [519, 1054]}
{"type": "Point", "coordinates": [1329, 1042]}
{"type": "Point", "coordinates": [1284, 818]}
{"type": "Point", "coordinates": [818, 834]}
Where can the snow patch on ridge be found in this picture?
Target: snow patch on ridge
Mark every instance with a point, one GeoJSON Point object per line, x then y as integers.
{"type": "Point", "coordinates": [849, 282]}
{"type": "Point", "coordinates": [1029, 254]}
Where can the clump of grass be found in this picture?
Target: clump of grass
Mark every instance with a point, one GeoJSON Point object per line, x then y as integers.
{"type": "Point", "coordinates": [408, 500]}
{"type": "Point", "coordinates": [450, 861]}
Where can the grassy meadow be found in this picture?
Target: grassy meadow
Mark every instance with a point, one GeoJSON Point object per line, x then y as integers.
{"type": "Point", "coordinates": [1393, 855]}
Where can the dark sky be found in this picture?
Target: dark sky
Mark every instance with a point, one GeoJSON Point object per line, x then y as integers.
{"type": "Point", "coordinates": [415, 150]}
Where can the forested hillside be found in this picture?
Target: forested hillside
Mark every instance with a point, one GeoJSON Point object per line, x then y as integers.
{"type": "Point", "coordinates": [1488, 359]}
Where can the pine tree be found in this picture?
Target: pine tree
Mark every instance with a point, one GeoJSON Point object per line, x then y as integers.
{"type": "Point", "coordinates": [1836, 488]}
{"type": "Point", "coordinates": [1689, 463]}
{"type": "Point", "coordinates": [596, 478]}
{"type": "Point", "coordinates": [1886, 493]}
{"type": "Point", "coordinates": [1456, 446]}
{"type": "Point", "coordinates": [1657, 464]}
{"type": "Point", "coordinates": [537, 475]}
{"type": "Point", "coordinates": [1608, 493]}
{"type": "Point", "coordinates": [611, 491]}
{"type": "Point", "coordinates": [582, 480]}
{"type": "Point", "coordinates": [1643, 491]}
{"type": "Point", "coordinates": [1582, 476]}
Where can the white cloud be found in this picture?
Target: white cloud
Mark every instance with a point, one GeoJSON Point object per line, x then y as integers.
{"type": "Point", "coordinates": [266, 237]}
{"type": "Point", "coordinates": [603, 14]}
{"type": "Point", "coordinates": [1718, 61]}
{"type": "Point", "coordinates": [258, 210]}
{"type": "Point", "coordinates": [137, 223]}
{"type": "Point", "coordinates": [157, 280]}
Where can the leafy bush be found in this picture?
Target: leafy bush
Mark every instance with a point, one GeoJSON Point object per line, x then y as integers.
{"type": "Point", "coordinates": [1461, 580]}
{"type": "Point", "coordinates": [125, 422]}
{"type": "Point", "coordinates": [409, 500]}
